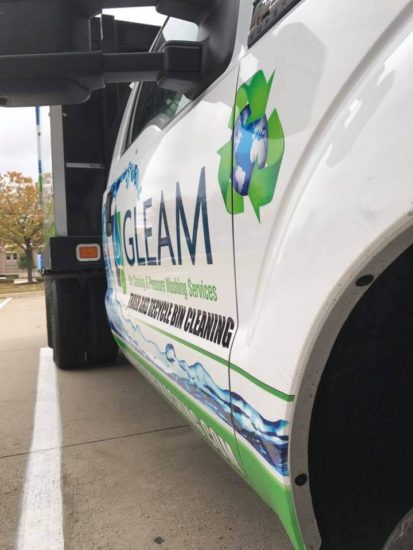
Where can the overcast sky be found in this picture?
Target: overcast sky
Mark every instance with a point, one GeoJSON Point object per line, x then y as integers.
{"type": "Point", "coordinates": [18, 147]}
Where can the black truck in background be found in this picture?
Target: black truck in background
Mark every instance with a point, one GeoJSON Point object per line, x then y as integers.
{"type": "Point", "coordinates": [83, 64]}
{"type": "Point", "coordinates": [83, 137]}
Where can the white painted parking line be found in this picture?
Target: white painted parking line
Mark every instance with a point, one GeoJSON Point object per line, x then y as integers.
{"type": "Point", "coordinates": [5, 302]}
{"type": "Point", "coordinates": [41, 520]}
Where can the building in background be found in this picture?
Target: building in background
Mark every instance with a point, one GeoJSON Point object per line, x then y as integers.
{"type": "Point", "coordinates": [9, 262]}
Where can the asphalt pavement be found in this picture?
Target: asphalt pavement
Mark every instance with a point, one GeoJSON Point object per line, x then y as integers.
{"type": "Point", "coordinates": [96, 459]}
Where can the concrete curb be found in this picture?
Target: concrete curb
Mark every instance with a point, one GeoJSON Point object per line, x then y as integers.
{"type": "Point", "coordinates": [22, 294]}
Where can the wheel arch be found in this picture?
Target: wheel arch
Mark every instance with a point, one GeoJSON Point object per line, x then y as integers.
{"type": "Point", "coordinates": [330, 325]}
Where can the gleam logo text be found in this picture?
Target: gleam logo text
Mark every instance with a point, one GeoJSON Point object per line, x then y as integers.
{"type": "Point", "coordinates": [140, 242]}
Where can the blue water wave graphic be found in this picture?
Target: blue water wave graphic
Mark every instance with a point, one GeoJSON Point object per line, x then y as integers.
{"type": "Point", "coordinates": [268, 438]}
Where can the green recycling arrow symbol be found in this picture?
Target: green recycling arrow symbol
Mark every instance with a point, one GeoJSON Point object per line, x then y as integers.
{"type": "Point", "coordinates": [254, 95]}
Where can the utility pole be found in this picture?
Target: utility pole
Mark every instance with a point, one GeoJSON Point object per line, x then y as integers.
{"type": "Point", "coordinates": [39, 154]}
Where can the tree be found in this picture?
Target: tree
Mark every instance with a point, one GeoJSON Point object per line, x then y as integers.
{"type": "Point", "coordinates": [21, 218]}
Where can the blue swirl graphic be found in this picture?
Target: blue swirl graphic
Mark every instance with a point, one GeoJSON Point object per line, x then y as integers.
{"type": "Point", "coordinates": [130, 176]}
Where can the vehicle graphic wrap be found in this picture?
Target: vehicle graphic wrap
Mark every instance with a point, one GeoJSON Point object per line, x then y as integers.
{"type": "Point", "coordinates": [251, 160]}
{"type": "Point", "coordinates": [269, 438]}
{"type": "Point", "coordinates": [171, 297]}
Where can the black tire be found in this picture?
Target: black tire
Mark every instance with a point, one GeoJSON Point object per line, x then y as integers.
{"type": "Point", "coordinates": [48, 300]}
{"type": "Point", "coordinates": [68, 324]}
{"type": "Point", "coordinates": [101, 348]}
{"type": "Point", "coordinates": [402, 536]}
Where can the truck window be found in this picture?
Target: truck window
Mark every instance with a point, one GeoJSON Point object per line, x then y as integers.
{"type": "Point", "coordinates": [155, 105]}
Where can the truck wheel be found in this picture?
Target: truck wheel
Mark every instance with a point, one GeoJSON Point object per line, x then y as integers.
{"type": "Point", "coordinates": [48, 300]}
{"type": "Point", "coordinates": [402, 536]}
{"type": "Point", "coordinates": [68, 324]}
{"type": "Point", "coordinates": [101, 346]}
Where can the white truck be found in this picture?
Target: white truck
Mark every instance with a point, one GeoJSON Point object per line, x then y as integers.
{"type": "Point", "coordinates": [257, 235]}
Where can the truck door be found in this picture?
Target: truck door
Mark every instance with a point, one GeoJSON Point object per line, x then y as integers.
{"type": "Point", "coordinates": [169, 250]}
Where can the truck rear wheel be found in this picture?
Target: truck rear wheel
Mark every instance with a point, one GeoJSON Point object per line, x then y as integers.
{"type": "Point", "coordinates": [68, 324]}
{"type": "Point", "coordinates": [101, 346]}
